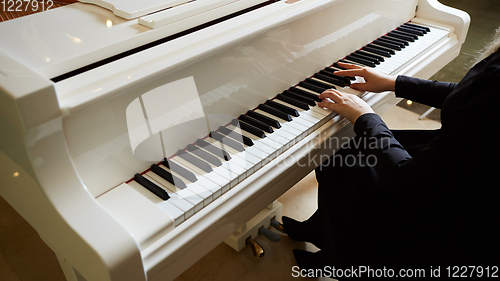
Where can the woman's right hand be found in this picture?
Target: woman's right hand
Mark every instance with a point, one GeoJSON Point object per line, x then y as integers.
{"type": "Point", "coordinates": [374, 81]}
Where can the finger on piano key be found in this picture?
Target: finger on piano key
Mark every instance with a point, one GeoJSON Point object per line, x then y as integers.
{"type": "Point", "coordinates": [332, 78]}
{"type": "Point", "coordinates": [270, 121]}
{"type": "Point", "coordinates": [175, 213]}
{"type": "Point", "coordinates": [183, 198]}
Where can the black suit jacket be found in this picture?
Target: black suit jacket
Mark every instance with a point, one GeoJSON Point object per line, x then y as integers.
{"type": "Point", "coordinates": [450, 185]}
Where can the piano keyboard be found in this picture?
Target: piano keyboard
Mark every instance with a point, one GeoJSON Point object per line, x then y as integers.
{"type": "Point", "coordinates": [185, 183]}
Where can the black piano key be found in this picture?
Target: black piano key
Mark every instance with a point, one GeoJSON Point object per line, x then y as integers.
{"type": "Point", "coordinates": [411, 30]}
{"type": "Point", "coordinates": [236, 136]}
{"type": "Point", "coordinates": [365, 61]}
{"type": "Point", "coordinates": [387, 45]}
{"type": "Point", "coordinates": [166, 175]}
{"type": "Point", "coordinates": [293, 101]}
{"type": "Point", "coordinates": [368, 58]}
{"type": "Point", "coordinates": [249, 128]}
{"type": "Point", "coordinates": [194, 160]}
{"type": "Point", "coordinates": [344, 79]}
{"type": "Point", "coordinates": [414, 28]}
{"type": "Point", "coordinates": [320, 84]}
{"type": "Point", "coordinates": [256, 123]}
{"type": "Point", "coordinates": [413, 36]}
{"type": "Point", "coordinates": [158, 191]}
{"type": "Point", "coordinates": [404, 37]}
{"type": "Point", "coordinates": [392, 52]}
{"type": "Point", "coordinates": [227, 141]}
{"type": "Point", "coordinates": [392, 42]}
{"type": "Point", "coordinates": [283, 108]}
{"type": "Point", "coordinates": [305, 93]}
{"type": "Point", "coordinates": [312, 87]}
{"type": "Point", "coordinates": [379, 58]}
{"type": "Point", "coordinates": [417, 26]}
{"type": "Point", "coordinates": [353, 62]}
{"type": "Point", "coordinates": [268, 120]}
{"type": "Point", "coordinates": [204, 155]}
{"type": "Point", "coordinates": [376, 51]}
{"type": "Point", "coordinates": [329, 79]}
{"type": "Point", "coordinates": [393, 39]}
{"type": "Point", "coordinates": [221, 153]}
{"type": "Point", "coordinates": [276, 112]}
{"type": "Point", "coordinates": [299, 97]}
{"type": "Point", "coordinates": [185, 173]}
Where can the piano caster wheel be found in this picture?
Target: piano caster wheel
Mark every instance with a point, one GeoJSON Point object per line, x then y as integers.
{"type": "Point", "coordinates": [272, 236]}
{"type": "Point", "coordinates": [257, 250]}
{"type": "Point", "coordinates": [279, 226]}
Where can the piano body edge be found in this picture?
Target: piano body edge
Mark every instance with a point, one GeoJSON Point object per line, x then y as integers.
{"type": "Point", "coordinates": [60, 208]}
{"type": "Point", "coordinates": [65, 211]}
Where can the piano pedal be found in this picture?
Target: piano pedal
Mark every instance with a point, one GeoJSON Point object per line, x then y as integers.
{"type": "Point", "coordinates": [278, 225]}
{"type": "Point", "coordinates": [247, 233]}
{"type": "Point", "coordinates": [257, 250]}
{"type": "Point", "coordinates": [269, 234]}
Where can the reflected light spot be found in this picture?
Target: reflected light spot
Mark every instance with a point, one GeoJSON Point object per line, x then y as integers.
{"type": "Point", "coordinates": [109, 23]}
{"type": "Point", "coordinates": [409, 102]}
{"type": "Point", "coordinates": [47, 59]}
{"type": "Point", "coordinates": [96, 90]}
{"type": "Point", "coordinates": [74, 40]}
{"type": "Point", "coordinates": [16, 174]}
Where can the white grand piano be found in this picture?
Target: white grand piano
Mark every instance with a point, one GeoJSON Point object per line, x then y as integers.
{"type": "Point", "coordinates": [94, 97]}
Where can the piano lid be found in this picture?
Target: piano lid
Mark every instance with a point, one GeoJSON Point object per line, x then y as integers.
{"type": "Point", "coordinates": [129, 9]}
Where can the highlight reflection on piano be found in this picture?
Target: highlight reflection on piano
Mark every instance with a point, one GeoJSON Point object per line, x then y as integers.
{"type": "Point", "coordinates": [205, 112]}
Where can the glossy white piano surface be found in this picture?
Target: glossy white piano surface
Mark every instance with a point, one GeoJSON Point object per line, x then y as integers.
{"type": "Point", "coordinates": [70, 142]}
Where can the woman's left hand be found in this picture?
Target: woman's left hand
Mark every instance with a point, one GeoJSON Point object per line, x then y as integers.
{"type": "Point", "coordinates": [348, 105]}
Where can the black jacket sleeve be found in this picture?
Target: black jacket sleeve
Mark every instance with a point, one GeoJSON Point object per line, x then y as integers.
{"type": "Point", "coordinates": [431, 93]}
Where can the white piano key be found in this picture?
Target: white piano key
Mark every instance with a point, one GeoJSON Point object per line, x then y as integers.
{"type": "Point", "coordinates": [214, 177]}
{"type": "Point", "coordinates": [197, 187]}
{"type": "Point", "coordinates": [169, 208]}
{"type": "Point", "coordinates": [180, 203]}
{"type": "Point", "coordinates": [175, 192]}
